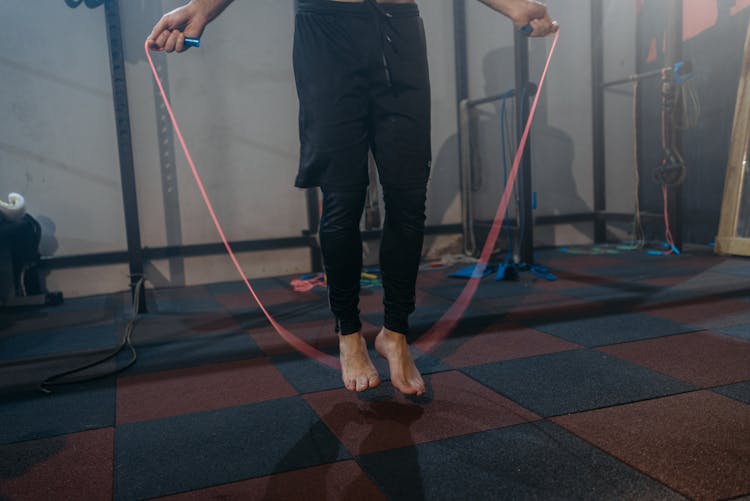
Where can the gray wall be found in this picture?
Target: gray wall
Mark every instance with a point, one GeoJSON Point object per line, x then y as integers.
{"type": "Point", "coordinates": [562, 163]}
{"type": "Point", "coordinates": [237, 107]}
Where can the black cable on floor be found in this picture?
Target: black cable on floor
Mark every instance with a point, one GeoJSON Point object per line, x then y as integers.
{"type": "Point", "coordinates": [57, 379]}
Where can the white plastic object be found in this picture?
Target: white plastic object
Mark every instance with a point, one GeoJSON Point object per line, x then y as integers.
{"type": "Point", "coordinates": [15, 208]}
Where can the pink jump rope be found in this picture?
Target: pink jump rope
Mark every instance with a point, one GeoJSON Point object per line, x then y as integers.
{"type": "Point", "coordinates": [448, 321]}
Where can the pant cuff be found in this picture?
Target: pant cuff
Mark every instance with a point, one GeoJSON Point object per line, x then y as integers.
{"type": "Point", "coordinates": [397, 323]}
{"type": "Point", "coordinates": [348, 326]}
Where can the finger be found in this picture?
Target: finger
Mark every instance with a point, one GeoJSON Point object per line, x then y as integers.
{"type": "Point", "coordinates": [161, 40]}
{"type": "Point", "coordinates": [542, 27]}
{"type": "Point", "coordinates": [159, 28]}
{"type": "Point", "coordinates": [172, 41]}
{"type": "Point", "coordinates": [180, 45]}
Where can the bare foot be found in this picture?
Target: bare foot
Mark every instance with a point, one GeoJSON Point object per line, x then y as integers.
{"type": "Point", "coordinates": [357, 370]}
{"type": "Point", "coordinates": [404, 374]}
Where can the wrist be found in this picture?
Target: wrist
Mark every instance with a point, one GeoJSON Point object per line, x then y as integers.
{"type": "Point", "coordinates": [208, 9]}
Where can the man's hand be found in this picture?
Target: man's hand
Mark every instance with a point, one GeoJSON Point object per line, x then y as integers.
{"type": "Point", "coordinates": [187, 21]}
{"type": "Point", "coordinates": [535, 14]}
{"type": "Point", "coordinates": [526, 12]}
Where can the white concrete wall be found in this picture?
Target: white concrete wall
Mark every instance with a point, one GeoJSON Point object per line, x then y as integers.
{"type": "Point", "coordinates": [236, 103]}
{"type": "Point", "coordinates": [562, 162]}
{"type": "Point", "coordinates": [237, 106]}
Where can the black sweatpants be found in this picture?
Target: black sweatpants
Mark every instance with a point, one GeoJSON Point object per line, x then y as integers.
{"type": "Point", "coordinates": [363, 84]}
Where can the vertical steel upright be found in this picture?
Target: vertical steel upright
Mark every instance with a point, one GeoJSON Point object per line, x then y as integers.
{"type": "Point", "coordinates": [673, 55]}
{"type": "Point", "coordinates": [124, 146]}
{"type": "Point", "coordinates": [597, 121]}
{"type": "Point", "coordinates": [525, 216]}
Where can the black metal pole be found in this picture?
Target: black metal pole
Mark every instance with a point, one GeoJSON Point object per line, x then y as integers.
{"type": "Point", "coordinates": [525, 218]}
{"type": "Point", "coordinates": [461, 53]}
{"type": "Point", "coordinates": [597, 110]}
{"type": "Point", "coordinates": [462, 92]}
{"type": "Point", "coordinates": [124, 146]}
{"type": "Point", "coordinates": [673, 36]}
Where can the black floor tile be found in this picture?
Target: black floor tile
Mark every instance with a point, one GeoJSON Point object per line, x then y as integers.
{"type": "Point", "coordinates": [157, 458]}
{"type": "Point", "coordinates": [605, 328]}
{"type": "Point", "coordinates": [55, 341]}
{"type": "Point", "coordinates": [529, 461]}
{"type": "Point", "coordinates": [573, 381]}
{"type": "Point", "coordinates": [738, 391]}
{"type": "Point", "coordinates": [68, 409]}
{"type": "Point", "coordinates": [741, 331]}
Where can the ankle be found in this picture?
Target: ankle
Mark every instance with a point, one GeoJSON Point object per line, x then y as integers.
{"type": "Point", "coordinates": [350, 339]}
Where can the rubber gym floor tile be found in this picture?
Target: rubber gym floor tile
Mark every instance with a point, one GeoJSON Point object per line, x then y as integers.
{"type": "Point", "coordinates": [162, 394]}
{"type": "Point", "coordinates": [738, 391]}
{"type": "Point", "coordinates": [285, 313]}
{"type": "Point", "coordinates": [69, 409]}
{"type": "Point", "coordinates": [75, 466]}
{"type": "Point", "coordinates": [711, 283]}
{"type": "Point", "coordinates": [195, 451]}
{"type": "Point", "coordinates": [741, 331]}
{"type": "Point", "coordinates": [528, 461]}
{"type": "Point", "coordinates": [616, 291]}
{"type": "Point", "coordinates": [321, 335]}
{"type": "Point", "coordinates": [341, 481]}
{"type": "Point", "coordinates": [489, 288]}
{"type": "Point", "coordinates": [573, 381]}
{"type": "Point", "coordinates": [699, 358]}
{"type": "Point", "coordinates": [580, 263]}
{"type": "Point", "coordinates": [195, 299]}
{"type": "Point", "coordinates": [703, 312]}
{"type": "Point", "coordinates": [697, 443]}
{"type": "Point", "coordinates": [27, 345]}
{"type": "Point", "coordinates": [736, 266]}
{"type": "Point", "coordinates": [72, 313]}
{"type": "Point", "coordinates": [609, 328]}
{"type": "Point", "coordinates": [305, 374]}
{"type": "Point", "coordinates": [243, 301]}
{"type": "Point", "coordinates": [556, 285]}
{"type": "Point", "coordinates": [382, 418]}
{"type": "Point", "coordinates": [640, 271]}
{"type": "Point", "coordinates": [543, 307]}
{"type": "Point", "coordinates": [237, 287]}
{"type": "Point", "coordinates": [170, 343]}
{"type": "Point", "coordinates": [498, 343]}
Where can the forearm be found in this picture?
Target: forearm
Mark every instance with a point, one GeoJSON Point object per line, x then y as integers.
{"type": "Point", "coordinates": [210, 8]}
{"type": "Point", "coordinates": [525, 12]}
{"type": "Point", "coordinates": [508, 8]}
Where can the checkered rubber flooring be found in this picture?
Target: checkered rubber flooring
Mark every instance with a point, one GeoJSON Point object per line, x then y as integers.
{"type": "Point", "coordinates": [627, 378]}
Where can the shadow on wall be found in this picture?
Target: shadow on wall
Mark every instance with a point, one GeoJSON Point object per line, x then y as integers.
{"type": "Point", "coordinates": [553, 153]}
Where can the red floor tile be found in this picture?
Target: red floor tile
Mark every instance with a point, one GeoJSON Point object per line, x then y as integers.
{"type": "Point", "coordinates": [559, 284]}
{"type": "Point", "coordinates": [549, 305]}
{"type": "Point", "coordinates": [458, 406]}
{"type": "Point", "coordinates": [505, 342]}
{"type": "Point", "coordinates": [699, 358]}
{"type": "Point", "coordinates": [183, 391]}
{"type": "Point", "coordinates": [708, 312]}
{"type": "Point", "coordinates": [584, 262]}
{"type": "Point", "coordinates": [342, 481]}
{"type": "Point", "coordinates": [319, 334]}
{"type": "Point", "coordinates": [245, 301]}
{"type": "Point", "coordinates": [665, 282]}
{"type": "Point", "coordinates": [696, 443]}
{"type": "Point", "coordinates": [76, 466]}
